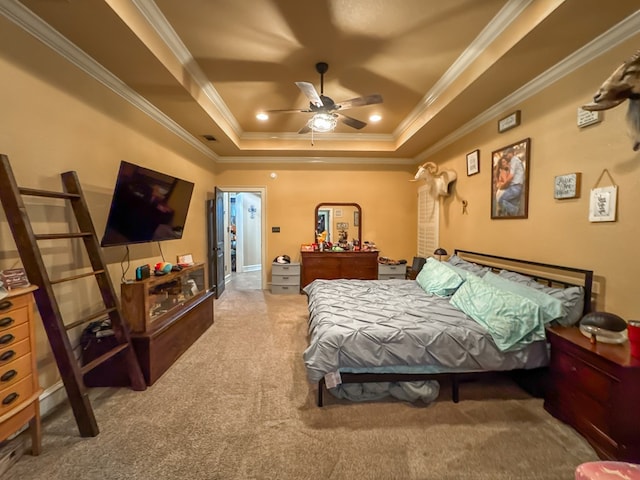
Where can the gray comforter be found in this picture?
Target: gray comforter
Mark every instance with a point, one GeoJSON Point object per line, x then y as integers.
{"type": "Point", "coordinates": [394, 326]}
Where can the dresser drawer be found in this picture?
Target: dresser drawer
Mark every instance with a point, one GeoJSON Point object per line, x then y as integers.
{"type": "Point", "coordinates": [284, 289]}
{"type": "Point", "coordinates": [285, 279]}
{"type": "Point", "coordinates": [399, 270]}
{"type": "Point", "coordinates": [14, 351]}
{"type": "Point", "coordinates": [14, 395]}
{"type": "Point", "coordinates": [11, 336]}
{"type": "Point", "coordinates": [12, 372]}
{"type": "Point", "coordinates": [391, 277]}
{"type": "Point", "coordinates": [12, 317]}
{"type": "Point", "coordinates": [285, 269]}
{"type": "Point", "coordinates": [581, 375]}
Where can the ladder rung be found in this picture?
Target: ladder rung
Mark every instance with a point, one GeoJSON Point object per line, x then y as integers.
{"type": "Point", "coordinates": [44, 193]}
{"type": "Point", "coordinates": [93, 316]}
{"type": "Point", "coordinates": [57, 236]}
{"type": "Point", "coordinates": [76, 277]}
{"type": "Point", "coordinates": [103, 358]}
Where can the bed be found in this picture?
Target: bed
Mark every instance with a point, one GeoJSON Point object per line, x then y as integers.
{"type": "Point", "coordinates": [473, 313]}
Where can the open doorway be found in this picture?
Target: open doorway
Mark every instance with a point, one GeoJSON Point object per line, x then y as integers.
{"type": "Point", "coordinates": [244, 236]}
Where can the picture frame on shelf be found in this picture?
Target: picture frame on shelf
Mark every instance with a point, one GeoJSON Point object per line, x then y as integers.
{"type": "Point", "coordinates": [473, 162]}
{"type": "Point", "coordinates": [510, 121]}
{"type": "Point", "coordinates": [510, 166]}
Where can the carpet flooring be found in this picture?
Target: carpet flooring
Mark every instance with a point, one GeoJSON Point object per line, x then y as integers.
{"type": "Point", "coordinates": [237, 405]}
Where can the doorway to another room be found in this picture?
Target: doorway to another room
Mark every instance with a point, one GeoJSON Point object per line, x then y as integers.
{"type": "Point", "coordinates": [244, 232]}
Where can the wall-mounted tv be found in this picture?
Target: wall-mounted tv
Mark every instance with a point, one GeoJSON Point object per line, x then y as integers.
{"type": "Point", "coordinates": [147, 206]}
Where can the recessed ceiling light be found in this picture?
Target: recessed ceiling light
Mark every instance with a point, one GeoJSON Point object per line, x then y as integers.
{"type": "Point", "coordinates": [262, 116]}
{"type": "Point", "coordinates": [375, 118]}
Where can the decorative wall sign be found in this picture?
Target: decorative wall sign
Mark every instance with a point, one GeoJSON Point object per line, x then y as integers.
{"type": "Point", "coordinates": [567, 186]}
{"type": "Point", "coordinates": [602, 204]}
{"type": "Point", "coordinates": [473, 162]}
{"type": "Point", "coordinates": [510, 121]}
{"type": "Point", "coordinates": [586, 118]}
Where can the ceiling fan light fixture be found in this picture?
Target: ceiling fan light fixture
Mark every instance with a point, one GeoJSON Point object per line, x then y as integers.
{"type": "Point", "coordinates": [262, 116]}
{"type": "Point", "coordinates": [322, 122]}
{"type": "Point", "coordinates": [375, 117]}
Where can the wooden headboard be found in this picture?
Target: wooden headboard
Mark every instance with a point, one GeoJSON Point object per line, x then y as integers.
{"type": "Point", "coordinates": [545, 273]}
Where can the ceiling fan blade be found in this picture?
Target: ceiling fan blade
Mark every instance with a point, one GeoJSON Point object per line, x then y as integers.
{"type": "Point", "coordinates": [305, 129]}
{"type": "Point", "coordinates": [298, 110]}
{"type": "Point", "coordinates": [360, 102]}
{"type": "Point", "coordinates": [352, 122]}
{"type": "Point", "coordinates": [310, 92]}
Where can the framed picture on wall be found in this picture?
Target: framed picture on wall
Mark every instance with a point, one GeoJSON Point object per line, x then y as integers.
{"type": "Point", "coordinates": [510, 180]}
{"type": "Point", "coordinates": [473, 162]}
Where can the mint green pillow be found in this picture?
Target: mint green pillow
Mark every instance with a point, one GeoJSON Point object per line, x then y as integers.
{"type": "Point", "coordinates": [512, 320]}
{"type": "Point", "coordinates": [550, 307]}
{"type": "Point", "coordinates": [437, 278]}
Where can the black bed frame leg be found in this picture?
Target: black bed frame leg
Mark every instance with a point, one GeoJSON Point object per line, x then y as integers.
{"type": "Point", "coordinates": [320, 385]}
{"type": "Point", "coordinates": [455, 390]}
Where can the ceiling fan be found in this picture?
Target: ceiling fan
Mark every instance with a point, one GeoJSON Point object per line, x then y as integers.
{"type": "Point", "coordinates": [326, 111]}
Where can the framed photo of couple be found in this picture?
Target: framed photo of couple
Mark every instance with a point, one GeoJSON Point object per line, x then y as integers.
{"type": "Point", "coordinates": [510, 180]}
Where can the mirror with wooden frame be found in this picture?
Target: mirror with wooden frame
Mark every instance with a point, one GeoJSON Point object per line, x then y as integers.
{"type": "Point", "coordinates": [342, 223]}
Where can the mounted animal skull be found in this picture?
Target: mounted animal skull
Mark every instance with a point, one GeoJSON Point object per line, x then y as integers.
{"type": "Point", "coordinates": [623, 84]}
{"type": "Point", "coordinates": [438, 181]}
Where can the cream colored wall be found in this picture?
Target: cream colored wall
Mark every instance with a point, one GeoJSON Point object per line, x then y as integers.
{"type": "Point", "coordinates": [56, 118]}
{"type": "Point", "coordinates": [557, 231]}
{"type": "Point", "coordinates": [387, 199]}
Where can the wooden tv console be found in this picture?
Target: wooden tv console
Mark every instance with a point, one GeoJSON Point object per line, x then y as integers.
{"type": "Point", "coordinates": [166, 315]}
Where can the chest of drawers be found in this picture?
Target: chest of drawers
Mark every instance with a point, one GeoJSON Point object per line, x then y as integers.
{"type": "Point", "coordinates": [332, 265]}
{"type": "Point", "coordinates": [391, 272]}
{"type": "Point", "coordinates": [596, 390]}
{"type": "Point", "coordinates": [285, 278]}
{"type": "Point", "coordinates": [19, 388]}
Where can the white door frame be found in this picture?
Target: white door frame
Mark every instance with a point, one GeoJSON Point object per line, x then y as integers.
{"type": "Point", "coordinates": [262, 191]}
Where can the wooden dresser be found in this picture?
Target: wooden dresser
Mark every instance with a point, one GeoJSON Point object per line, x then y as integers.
{"type": "Point", "coordinates": [596, 390]}
{"type": "Point", "coordinates": [19, 388]}
{"type": "Point", "coordinates": [332, 265]}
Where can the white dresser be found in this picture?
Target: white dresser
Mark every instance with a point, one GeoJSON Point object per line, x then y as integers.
{"type": "Point", "coordinates": [390, 272]}
{"type": "Point", "coordinates": [285, 278]}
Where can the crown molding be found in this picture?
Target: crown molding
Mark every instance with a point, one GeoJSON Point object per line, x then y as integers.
{"type": "Point", "coordinates": [507, 14]}
{"type": "Point", "coordinates": [624, 30]}
{"type": "Point", "coordinates": [38, 28]}
{"type": "Point", "coordinates": [322, 160]}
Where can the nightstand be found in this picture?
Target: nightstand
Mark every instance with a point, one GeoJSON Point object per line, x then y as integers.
{"type": "Point", "coordinates": [596, 390]}
{"type": "Point", "coordinates": [285, 278]}
{"type": "Point", "coordinates": [390, 272]}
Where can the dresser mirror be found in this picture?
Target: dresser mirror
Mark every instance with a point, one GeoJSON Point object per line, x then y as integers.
{"type": "Point", "coordinates": [342, 223]}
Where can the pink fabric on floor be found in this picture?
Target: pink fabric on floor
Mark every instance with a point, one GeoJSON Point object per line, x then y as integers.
{"type": "Point", "coordinates": [608, 471]}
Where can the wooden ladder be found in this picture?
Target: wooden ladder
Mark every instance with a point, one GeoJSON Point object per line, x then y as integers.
{"type": "Point", "coordinates": [27, 243]}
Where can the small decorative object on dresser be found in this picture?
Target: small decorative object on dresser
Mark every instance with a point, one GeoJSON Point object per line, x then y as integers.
{"type": "Point", "coordinates": [596, 390]}
{"type": "Point", "coordinates": [285, 278]}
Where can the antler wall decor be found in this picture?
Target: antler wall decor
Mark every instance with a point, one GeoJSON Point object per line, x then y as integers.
{"type": "Point", "coordinates": [623, 84]}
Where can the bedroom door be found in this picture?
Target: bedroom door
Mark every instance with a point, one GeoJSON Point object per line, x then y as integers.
{"type": "Point", "coordinates": [215, 221]}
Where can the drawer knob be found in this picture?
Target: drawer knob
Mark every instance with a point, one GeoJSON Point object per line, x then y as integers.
{"type": "Point", "coordinates": [10, 398]}
{"type": "Point", "coordinates": [5, 305]}
{"type": "Point", "coordinates": [8, 375]}
{"type": "Point", "coordinates": [8, 338]}
{"type": "Point", "coordinates": [5, 322]}
{"type": "Point", "coordinates": [7, 355]}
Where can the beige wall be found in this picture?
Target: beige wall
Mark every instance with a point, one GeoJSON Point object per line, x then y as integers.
{"type": "Point", "coordinates": [387, 199]}
{"type": "Point", "coordinates": [56, 118]}
{"type": "Point", "coordinates": [558, 231]}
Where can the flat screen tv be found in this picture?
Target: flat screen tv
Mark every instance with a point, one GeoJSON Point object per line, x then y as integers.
{"type": "Point", "coordinates": [147, 206]}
